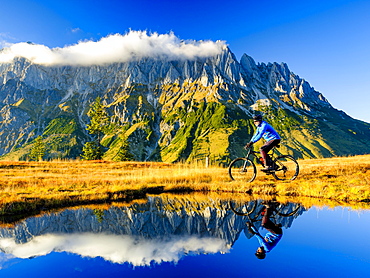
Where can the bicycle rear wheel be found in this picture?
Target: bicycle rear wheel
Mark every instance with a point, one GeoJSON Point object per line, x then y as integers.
{"type": "Point", "coordinates": [288, 209]}
{"type": "Point", "coordinates": [242, 169]}
{"type": "Point", "coordinates": [286, 168]}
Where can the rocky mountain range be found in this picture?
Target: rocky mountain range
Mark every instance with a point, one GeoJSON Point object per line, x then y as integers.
{"type": "Point", "coordinates": [170, 110]}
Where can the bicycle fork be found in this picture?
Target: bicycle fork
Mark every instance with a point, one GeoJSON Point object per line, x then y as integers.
{"type": "Point", "coordinates": [245, 164]}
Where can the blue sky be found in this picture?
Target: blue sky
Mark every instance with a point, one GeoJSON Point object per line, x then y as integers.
{"type": "Point", "coordinates": [325, 42]}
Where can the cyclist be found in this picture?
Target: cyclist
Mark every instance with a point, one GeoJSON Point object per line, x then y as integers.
{"type": "Point", "coordinates": [272, 138]}
{"type": "Point", "coordinates": [272, 238]}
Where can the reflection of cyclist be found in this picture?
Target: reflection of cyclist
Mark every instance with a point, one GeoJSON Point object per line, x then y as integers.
{"type": "Point", "coordinates": [272, 138]}
{"type": "Point", "coordinates": [271, 239]}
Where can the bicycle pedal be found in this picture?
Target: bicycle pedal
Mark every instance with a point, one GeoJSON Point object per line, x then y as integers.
{"type": "Point", "coordinates": [268, 171]}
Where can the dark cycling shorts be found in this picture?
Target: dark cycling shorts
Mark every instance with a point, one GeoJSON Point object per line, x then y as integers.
{"type": "Point", "coordinates": [269, 145]}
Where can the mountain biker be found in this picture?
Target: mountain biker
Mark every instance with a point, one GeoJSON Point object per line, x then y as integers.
{"type": "Point", "coordinates": [272, 238]}
{"type": "Point", "coordinates": [272, 138]}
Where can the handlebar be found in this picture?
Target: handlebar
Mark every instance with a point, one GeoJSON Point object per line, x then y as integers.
{"type": "Point", "coordinates": [250, 149]}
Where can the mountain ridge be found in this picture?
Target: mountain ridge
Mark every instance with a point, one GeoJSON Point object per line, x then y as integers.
{"type": "Point", "coordinates": [170, 110]}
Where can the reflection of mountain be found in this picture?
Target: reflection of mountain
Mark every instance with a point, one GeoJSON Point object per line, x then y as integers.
{"type": "Point", "coordinates": [160, 230]}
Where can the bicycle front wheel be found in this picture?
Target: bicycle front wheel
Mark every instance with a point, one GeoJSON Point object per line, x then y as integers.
{"type": "Point", "coordinates": [242, 208]}
{"type": "Point", "coordinates": [286, 168]}
{"type": "Point", "coordinates": [242, 169]}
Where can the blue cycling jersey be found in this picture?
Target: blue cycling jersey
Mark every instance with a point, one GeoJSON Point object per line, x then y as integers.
{"type": "Point", "coordinates": [265, 131]}
{"type": "Point", "coordinates": [269, 241]}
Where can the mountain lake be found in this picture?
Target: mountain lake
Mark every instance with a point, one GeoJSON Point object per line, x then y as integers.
{"type": "Point", "coordinates": [167, 236]}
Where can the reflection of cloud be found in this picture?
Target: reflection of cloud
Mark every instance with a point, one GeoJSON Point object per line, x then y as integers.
{"type": "Point", "coordinates": [7, 260]}
{"type": "Point", "coordinates": [114, 48]}
{"type": "Point", "coordinates": [115, 248]}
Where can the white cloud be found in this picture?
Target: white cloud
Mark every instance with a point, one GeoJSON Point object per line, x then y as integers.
{"type": "Point", "coordinates": [114, 48]}
{"type": "Point", "coordinates": [76, 30]}
{"type": "Point", "coordinates": [4, 38]}
{"type": "Point", "coordinates": [115, 248]}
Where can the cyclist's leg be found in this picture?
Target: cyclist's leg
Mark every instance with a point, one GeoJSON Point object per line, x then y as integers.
{"type": "Point", "coordinates": [268, 224]}
{"type": "Point", "coordinates": [273, 228]}
{"type": "Point", "coordinates": [266, 148]}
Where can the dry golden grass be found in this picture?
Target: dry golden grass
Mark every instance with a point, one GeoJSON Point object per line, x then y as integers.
{"type": "Point", "coordinates": [26, 186]}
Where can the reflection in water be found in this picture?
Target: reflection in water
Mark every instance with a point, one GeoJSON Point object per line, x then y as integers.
{"type": "Point", "coordinates": [267, 216]}
{"type": "Point", "coordinates": [272, 238]}
{"type": "Point", "coordinates": [161, 230]}
{"type": "Point", "coordinates": [115, 248]}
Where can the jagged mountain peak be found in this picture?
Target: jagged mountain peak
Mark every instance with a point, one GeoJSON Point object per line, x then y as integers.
{"type": "Point", "coordinates": [175, 109]}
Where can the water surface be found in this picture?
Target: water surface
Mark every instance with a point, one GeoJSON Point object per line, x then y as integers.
{"type": "Point", "coordinates": [180, 237]}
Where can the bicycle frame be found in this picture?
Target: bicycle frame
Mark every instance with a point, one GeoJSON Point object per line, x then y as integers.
{"type": "Point", "coordinates": [257, 155]}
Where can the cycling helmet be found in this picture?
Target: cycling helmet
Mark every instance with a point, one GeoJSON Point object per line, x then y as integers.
{"type": "Point", "coordinates": [257, 118]}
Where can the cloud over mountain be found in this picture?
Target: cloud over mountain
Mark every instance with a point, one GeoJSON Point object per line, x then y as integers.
{"type": "Point", "coordinates": [114, 48]}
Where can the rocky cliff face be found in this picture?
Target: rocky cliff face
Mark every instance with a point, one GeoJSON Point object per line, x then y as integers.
{"type": "Point", "coordinates": [170, 110]}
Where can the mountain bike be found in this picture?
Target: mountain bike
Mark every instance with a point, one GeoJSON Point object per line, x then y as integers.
{"type": "Point", "coordinates": [270, 209]}
{"type": "Point", "coordinates": [285, 167]}
{"type": "Point", "coordinates": [247, 209]}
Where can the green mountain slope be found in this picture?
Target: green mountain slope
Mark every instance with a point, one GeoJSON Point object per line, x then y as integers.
{"type": "Point", "coordinates": [170, 110]}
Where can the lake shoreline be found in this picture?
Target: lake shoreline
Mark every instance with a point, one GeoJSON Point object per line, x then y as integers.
{"type": "Point", "coordinates": [36, 186]}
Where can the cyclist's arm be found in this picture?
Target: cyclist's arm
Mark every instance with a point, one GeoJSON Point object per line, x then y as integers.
{"type": "Point", "coordinates": [263, 242]}
{"type": "Point", "coordinates": [253, 229]}
{"type": "Point", "coordinates": [259, 132]}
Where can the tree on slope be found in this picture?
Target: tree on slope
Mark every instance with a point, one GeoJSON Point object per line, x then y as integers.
{"type": "Point", "coordinates": [124, 153]}
{"type": "Point", "coordinates": [99, 123]}
{"type": "Point", "coordinates": [38, 150]}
